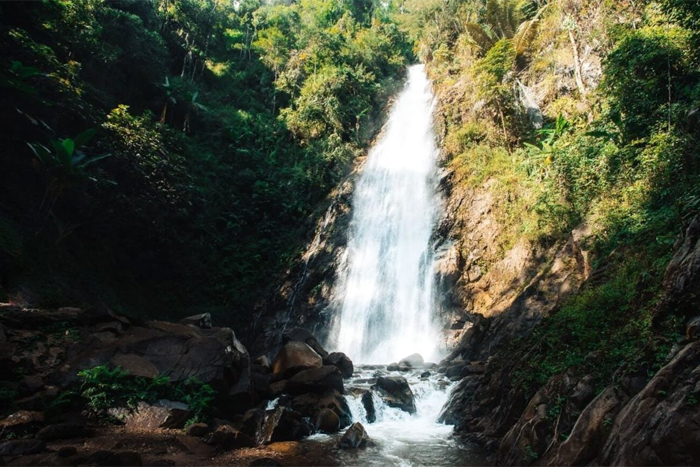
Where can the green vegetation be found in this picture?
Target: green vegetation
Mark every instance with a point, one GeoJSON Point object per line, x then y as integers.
{"type": "Point", "coordinates": [164, 157]}
{"type": "Point", "coordinates": [103, 387]}
{"type": "Point", "coordinates": [616, 87]}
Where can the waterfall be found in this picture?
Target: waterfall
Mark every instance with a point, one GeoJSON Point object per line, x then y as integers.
{"type": "Point", "coordinates": [387, 293]}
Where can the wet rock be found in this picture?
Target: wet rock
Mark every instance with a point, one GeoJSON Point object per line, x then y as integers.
{"type": "Point", "coordinates": [21, 447]}
{"type": "Point", "coordinates": [316, 380]}
{"type": "Point", "coordinates": [403, 366]}
{"type": "Point", "coordinates": [303, 335]}
{"type": "Point", "coordinates": [161, 414]}
{"type": "Point", "coordinates": [342, 362]}
{"type": "Point", "coordinates": [396, 392]}
{"type": "Point", "coordinates": [455, 370]}
{"type": "Point", "coordinates": [285, 424]}
{"type": "Point", "coordinates": [21, 421]}
{"type": "Point", "coordinates": [392, 367]}
{"type": "Point", "coordinates": [355, 437]}
{"type": "Point", "coordinates": [197, 430]}
{"type": "Point", "coordinates": [202, 320]}
{"type": "Point", "coordinates": [425, 374]}
{"type": "Point", "coordinates": [442, 370]}
{"type": "Point", "coordinates": [327, 421]}
{"type": "Point", "coordinates": [226, 437]}
{"type": "Point", "coordinates": [265, 462]}
{"type": "Point", "coordinates": [414, 361]}
{"type": "Point", "coordinates": [67, 451]}
{"type": "Point", "coordinates": [294, 357]}
{"type": "Point", "coordinates": [368, 403]}
{"type": "Point", "coordinates": [252, 424]}
{"type": "Point", "coordinates": [61, 431]}
{"type": "Point", "coordinates": [310, 405]}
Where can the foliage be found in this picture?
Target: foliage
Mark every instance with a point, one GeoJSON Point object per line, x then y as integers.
{"type": "Point", "coordinates": [104, 387]}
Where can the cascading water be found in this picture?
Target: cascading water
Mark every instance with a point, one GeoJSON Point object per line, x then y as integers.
{"type": "Point", "coordinates": [388, 286]}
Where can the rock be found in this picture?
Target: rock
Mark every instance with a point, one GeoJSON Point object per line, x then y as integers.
{"type": "Point", "coordinates": [287, 448]}
{"type": "Point", "coordinates": [285, 424]}
{"type": "Point", "coordinates": [197, 430]}
{"type": "Point", "coordinates": [355, 437]}
{"type": "Point", "coordinates": [61, 431]}
{"type": "Point", "coordinates": [97, 314]}
{"type": "Point", "coordinates": [693, 329]}
{"type": "Point", "coordinates": [414, 361]}
{"type": "Point", "coordinates": [455, 370]}
{"type": "Point", "coordinates": [368, 403]}
{"type": "Point", "coordinates": [21, 421]}
{"type": "Point", "coordinates": [33, 382]}
{"type": "Point", "coordinates": [316, 380]}
{"type": "Point", "coordinates": [135, 365]}
{"type": "Point", "coordinates": [202, 320]}
{"type": "Point", "coordinates": [294, 357]}
{"type": "Point", "coordinates": [342, 362]}
{"type": "Point", "coordinates": [67, 451]}
{"type": "Point", "coordinates": [3, 336]}
{"type": "Point", "coordinates": [263, 363]}
{"type": "Point", "coordinates": [38, 401]}
{"type": "Point", "coordinates": [442, 370]}
{"type": "Point", "coordinates": [252, 424]}
{"type": "Point", "coordinates": [226, 437]}
{"type": "Point", "coordinates": [425, 374]}
{"type": "Point", "coordinates": [310, 405]}
{"type": "Point", "coordinates": [161, 414]}
{"type": "Point", "coordinates": [162, 463]}
{"type": "Point", "coordinates": [21, 447]}
{"type": "Point", "coordinates": [404, 366]}
{"type": "Point", "coordinates": [396, 392]}
{"type": "Point", "coordinates": [392, 367]}
{"type": "Point", "coordinates": [112, 459]}
{"type": "Point", "coordinates": [327, 421]}
{"type": "Point", "coordinates": [265, 462]}
{"type": "Point", "coordinates": [303, 335]}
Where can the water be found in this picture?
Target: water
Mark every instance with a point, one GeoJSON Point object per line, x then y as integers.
{"type": "Point", "coordinates": [387, 308]}
{"type": "Point", "coordinates": [401, 439]}
{"type": "Point", "coordinates": [387, 287]}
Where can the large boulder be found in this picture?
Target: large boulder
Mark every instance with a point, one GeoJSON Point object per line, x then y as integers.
{"type": "Point", "coordinates": [21, 447]}
{"type": "Point", "coordinates": [284, 424]}
{"type": "Point", "coordinates": [202, 320]}
{"type": "Point", "coordinates": [396, 392]}
{"type": "Point", "coordinates": [305, 336]}
{"type": "Point", "coordinates": [327, 421]}
{"type": "Point", "coordinates": [355, 437]}
{"type": "Point", "coordinates": [342, 362]}
{"type": "Point", "coordinates": [368, 403]}
{"type": "Point", "coordinates": [226, 437]}
{"type": "Point", "coordinates": [316, 380]}
{"type": "Point", "coordinates": [311, 405]}
{"type": "Point", "coordinates": [21, 421]}
{"type": "Point", "coordinates": [294, 357]}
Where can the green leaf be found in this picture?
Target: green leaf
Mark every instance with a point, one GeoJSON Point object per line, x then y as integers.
{"type": "Point", "coordinates": [95, 159]}
{"type": "Point", "coordinates": [69, 146]}
{"type": "Point", "coordinates": [84, 137]}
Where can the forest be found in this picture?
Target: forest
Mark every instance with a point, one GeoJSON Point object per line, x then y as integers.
{"type": "Point", "coordinates": [189, 161]}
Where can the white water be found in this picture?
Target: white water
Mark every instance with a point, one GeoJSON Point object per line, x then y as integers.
{"type": "Point", "coordinates": [387, 310]}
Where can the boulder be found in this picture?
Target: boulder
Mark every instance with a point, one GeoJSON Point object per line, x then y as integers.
{"type": "Point", "coordinates": [202, 320]}
{"type": "Point", "coordinates": [198, 430]}
{"type": "Point", "coordinates": [135, 365]}
{"type": "Point", "coordinates": [396, 392]}
{"type": "Point", "coordinates": [454, 371]}
{"type": "Point", "coordinates": [21, 447]}
{"type": "Point", "coordinates": [342, 362]}
{"type": "Point", "coordinates": [316, 380]}
{"type": "Point", "coordinates": [294, 357]}
{"type": "Point", "coordinates": [67, 451]}
{"type": "Point", "coordinates": [62, 431]}
{"type": "Point", "coordinates": [355, 437]}
{"type": "Point", "coordinates": [310, 405]}
{"type": "Point", "coordinates": [425, 374]}
{"type": "Point", "coordinates": [303, 335]}
{"type": "Point", "coordinates": [287, 448]}
{"type": "Point", "coordinates": [161, 414]}
{"type": "Point", "coordinates": [413, 361]}
{"type": "Point", "coordinates": [109, 458]}
{"type": "Point", "coordinates": [403, 366]}
{"type": "Point", "coordinates": [22, 421]}
{"type": "Point", "coordinates": [226, 437]}
{"type": "Point", "coordinates": [392, 367]}
{"type": "Point", "coordinates": [285, 424]}
{"type": "Point", "coordinates": [262, 364]}
{"type": "Point", "coordinates": [327, 421]}
{"type": "Point", "coordinates": [252, 424]}
{"type": "Point", "coordinates": [368, 403]}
